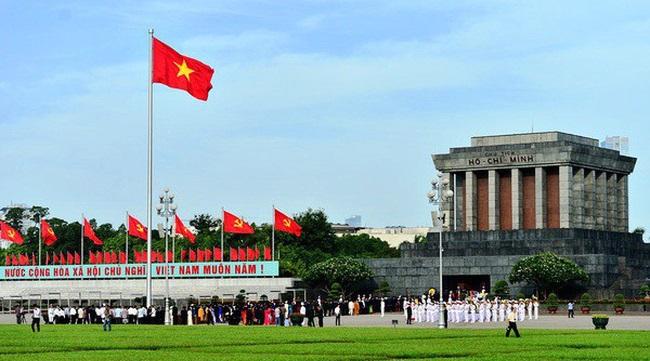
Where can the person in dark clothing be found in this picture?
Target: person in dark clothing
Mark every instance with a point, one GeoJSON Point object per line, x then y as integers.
{"type": "Point", "coordinates": [512, 323]}
{"type": "Point", "coordinates": [310, 316]}
{"type": "Point", "coordinates": [36, 319]}
{"type": "Point", "coordinates": [183, 316]}
{"type": "Point", "coordinates": [320, 314]}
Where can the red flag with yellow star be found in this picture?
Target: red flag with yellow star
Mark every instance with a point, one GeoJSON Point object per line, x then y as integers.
{"type": "Point", "coordinates": [9, 234]}
{"type": "Point", "coordinates": [47, 233]}
{"type": "Point", "coordinates": [137, 229]}
{"type": "Point", "coordinates": [181, 72]}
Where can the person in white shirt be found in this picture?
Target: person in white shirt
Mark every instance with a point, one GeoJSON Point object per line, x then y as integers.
{"type": "Point", "coordinates": [50, 315]}
{"type": "Point", "coordinates": [382, 306]}
{"type": "Point", "coordinates": [536, 308]}
{"type": "Point", "coordinates": [73, 315]}
{"type": "Point", "coordinates": [142, 313]}
{"type": "Point", "coordinates": [36, 319]}
{"type": "Point", "coordinates": [337, 314]}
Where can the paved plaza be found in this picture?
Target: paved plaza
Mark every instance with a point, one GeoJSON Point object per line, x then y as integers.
{"type": "Point", "coordinates": [636, 321]}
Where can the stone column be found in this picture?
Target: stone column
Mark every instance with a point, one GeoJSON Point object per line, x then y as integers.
{"type": "Point", "coordinates": [517, 212]}
{"type": "Point", "coordinates": [613, 220]}
{"type": "Point", "coordinates": [589, 220]}
{"type": "Point", "coordinates": [566, 178]}
{"type": "Point", "coordinates": [540, 197]}
{"type": "Point", "coordinates": [577, 198]}
{"type": "Point", "coordinates": [470, 201]}
{"type": "Point", "coordinates": [459, 194]}
{"type": "Point", "coordinates": [493, 200]}
{"type": "Point", "coordinates": [623, 203]}
{"type": "Point", "coordinates": [600, 201]}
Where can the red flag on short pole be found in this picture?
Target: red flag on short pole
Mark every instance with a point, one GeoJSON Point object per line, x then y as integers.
{"type": "Point", "coordinates": [233, 254]}
{"type": "Point", "coordinates": [183, 255]}
{"type": "Point", "coordinates": [267, 253]}
{"type": "Point", "coordinates": [62, 258]}
{"type": "Point", "coordinates": [69, 258]}
{"type": "Point", "coordinates": [192, 256]}
{"type": "Point", "coordinates": [99, 257]}
{"type": "Point", "coordinates": [216, 254]}
{"type": "Point", "coordinates": [7, 260]}
{"type": "Point", "coordinates": [241, 254]}
{"type": "Point", "coordinates": [91, 257]}
{"type": "Point", "coordinates": [200, 255]}
{"type": "Point", "coordinates": [77, 258]}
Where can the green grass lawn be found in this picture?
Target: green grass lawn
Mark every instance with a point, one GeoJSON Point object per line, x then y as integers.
{"type": "Point", "coordinates": [159, 343]}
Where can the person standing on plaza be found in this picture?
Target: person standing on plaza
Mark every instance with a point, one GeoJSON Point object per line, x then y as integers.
{"type": "Point", "coordinates": [105, 313]}
{"type": "Point", "coordinates": [382, 306]}
{"type": "Point", "coordinates": [36, 319]}
{"type": "Point", "coordinates": [512, 323]}
{"type": "Point", "coordinates": [337, 314]}
{"type": "Point", "coordinates": [569, 308]}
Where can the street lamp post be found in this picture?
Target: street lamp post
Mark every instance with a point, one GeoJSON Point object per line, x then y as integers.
{"type": "Point", "coordinates": [167, 209]}
{"type": "Point", "coordinates": [438, 195]}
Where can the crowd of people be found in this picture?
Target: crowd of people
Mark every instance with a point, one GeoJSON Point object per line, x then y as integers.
{"type": "Point", "coordinates": [459, 307]}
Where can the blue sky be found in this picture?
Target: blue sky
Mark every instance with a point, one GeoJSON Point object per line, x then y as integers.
{"type": "Point", "coordinates": [323, 104]}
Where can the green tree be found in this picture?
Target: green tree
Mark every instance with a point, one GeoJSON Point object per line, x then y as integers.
{"type": "Point", "coordinates": [384, 288]}
{"type": "Point", "coordinates": [363, 246]}
{"type": "Point", "coordinates": [501, 289]}
{"type": "Point", "coordinates": [547, 272]}
{"type": "Point", "coordinates": [346, 271]}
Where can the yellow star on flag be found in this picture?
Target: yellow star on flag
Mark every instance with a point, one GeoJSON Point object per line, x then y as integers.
{"type": "Point", "coordinates": [184, 70]}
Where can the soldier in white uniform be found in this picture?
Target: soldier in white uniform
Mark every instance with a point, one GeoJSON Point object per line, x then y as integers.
{"type": "Point", "coordinates": [529, 309]}
{"type": "Point", "coordinates": [472, 312]}
{"type": "Point", "coordinates": [536, 308]}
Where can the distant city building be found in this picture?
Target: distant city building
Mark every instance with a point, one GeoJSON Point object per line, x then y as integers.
{"type": "Point", "coordinates": [354, 221]}
{"type": "Point", "coordinates": [394, 236]}
{"type": "Point", "coordinates": [622, 144]}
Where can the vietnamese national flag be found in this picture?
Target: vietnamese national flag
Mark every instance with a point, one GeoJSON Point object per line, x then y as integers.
{"type": "Point", "coordinates": [8, 233]}
{"type": "Point", "coordinates": [183, 255]}
{"type": "Point", "coordinates": [77, 258]}
{"type": "Point", "coordinates": [170, 256]}
{"type": "Point", "coordinates": [233, 254]}
{"type": "Point", "coordinates": [122, 257]}
{"type": "Point", "coordinates": [22, 260]}
{"type": "Point", "coordinates": [250, 254]}
{"type": "Point", "coordinates": [208, 254]}
{"type": "Point", "coordinates": [62, 258]}
{"type": "Point", "coordinates": [69, 258]}
{"type": "Point", "coordinates": [182, 230]}
{"type": "Point", "coordinates": [14, 260]}
{"type": "Point", "coordinates": [192, 256]}
{"type": "Point", "coordinates": [200, 255]}
{"type": "Point", "coordinates": [99, 257]}
{"type": "Point", "coordinates": [267, 253]}
{"type": "Point", "coordinates": [47, 233]}
{"type": "Point", "coordinates": [7, 260]}
{"type": "Point", "coordinates": [113, 257]}
{"type": "Point", "coordinates": [181, 72]}
{"type": "Point", "coordinates": [242, 254]}
{"type": "Point", "coordinates": [107, 257]}
{"type": "Point", "coordinates": [90, 234]}
{"type": "Point", "coordinates": [216, 253]}
{"type": "Point", "coordinates": [91, 259]}
{"type": "Point", "coordinates": [284, 223]}
{"type": "Point", "coordinates": [235, 224]}
{"type": "Point", "coordinates": [137, 229]}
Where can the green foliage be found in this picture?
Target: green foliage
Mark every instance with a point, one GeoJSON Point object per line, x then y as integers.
{"type": "Point", "coordinates": [335, 291]}
{"type": "Point", "coordinates": [501, 289]}
{"type": "Point", "coordinates": [346, 271]}
{"type": "Point", "coordinates": [551, 300]}
{"type": "Point", "coordinates": [547, 271]}
{"type": "Point", "coordinates": [585, 300]}
{"type": "Point", "coordinates": [600, 316]}
{"type": "Point", "coordinates": [644, 290]}
{"type": "Point", "coordinates": [520, 295]}
{"type": "Point", "coordinates": [619, 300]}
{"type": "Point", "coordinates": [384, 288]}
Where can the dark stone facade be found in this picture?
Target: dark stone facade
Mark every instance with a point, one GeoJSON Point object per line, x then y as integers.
{"type": "Point", "coordinates": [616, 262]}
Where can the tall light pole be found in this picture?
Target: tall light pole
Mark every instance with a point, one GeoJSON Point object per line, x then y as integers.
{"type": "Point", "coordinates": [439, 194]}
{"type": "Point", "coordinates": [167, 209]}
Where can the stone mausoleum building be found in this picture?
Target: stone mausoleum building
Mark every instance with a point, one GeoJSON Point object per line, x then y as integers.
{"type": "Point", "coordinates": [522, 194]}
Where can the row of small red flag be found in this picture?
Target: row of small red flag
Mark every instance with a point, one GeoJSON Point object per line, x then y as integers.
{"type": "Point", "coordinates": [99, 257]}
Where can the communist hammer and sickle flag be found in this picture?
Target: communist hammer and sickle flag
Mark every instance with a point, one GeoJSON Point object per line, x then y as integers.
{"type": "Point", "coordinates": [137, 229]}
{"type": "Point", "coordinates": [284, 223]}
{"type": "Point", "coordinates": [9, 234]}
{"type": "Point", "coordinates": [235, 224]}
{"type": "Point", "coordinates": [47, 233]}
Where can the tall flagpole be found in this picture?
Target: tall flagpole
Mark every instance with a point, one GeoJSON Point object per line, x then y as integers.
{"type": "Point", "coordinates": [40, 232]}
{"type": "Point", "coordinates": [82, 238]}
{"type": "Point", "coordinates": [273, 236]}
{"type": "Point", "coordinates": [127, 237]}
{"type": "Point", "coordinates": [149, 169]}
{"type": "Point", "coordinates": [223, 251]}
